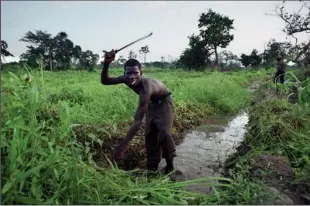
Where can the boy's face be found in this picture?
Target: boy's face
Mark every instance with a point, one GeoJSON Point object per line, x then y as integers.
{"type": "Point", "coordinates": [133, 74]}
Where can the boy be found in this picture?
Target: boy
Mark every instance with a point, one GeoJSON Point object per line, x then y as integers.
{"type": "Point", "coordinates": [156, 102]}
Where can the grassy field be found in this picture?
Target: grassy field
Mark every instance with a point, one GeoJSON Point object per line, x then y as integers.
{"type": "Point", "coordinates": [54, 126]}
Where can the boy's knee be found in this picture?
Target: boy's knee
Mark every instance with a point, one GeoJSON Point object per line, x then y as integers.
{"type": "Point", "coordinates": [164, 134]}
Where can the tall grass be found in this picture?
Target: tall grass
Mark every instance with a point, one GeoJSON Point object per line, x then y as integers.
{"type": "Point", "coordinates": [42, 161]}
{"type": "Point", "coordinates": [94, 103]}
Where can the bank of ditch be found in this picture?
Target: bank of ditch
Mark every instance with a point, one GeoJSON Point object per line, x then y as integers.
{"type": "Point", "coordinates": [275, 152]}
{"type": "Point", "coordinates": [54, 127]}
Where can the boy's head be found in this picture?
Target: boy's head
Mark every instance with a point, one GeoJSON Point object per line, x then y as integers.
{"type": "Point", "coordinates": [133, 71]}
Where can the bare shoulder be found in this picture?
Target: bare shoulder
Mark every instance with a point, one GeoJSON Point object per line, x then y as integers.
{"type": "Point", "coordinates": [153, 80]}
{"type": "Point", "coordinates": [155, 85]}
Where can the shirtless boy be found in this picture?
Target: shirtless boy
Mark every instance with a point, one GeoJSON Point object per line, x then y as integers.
{"type": "Point", "coordinates": [156, 102]}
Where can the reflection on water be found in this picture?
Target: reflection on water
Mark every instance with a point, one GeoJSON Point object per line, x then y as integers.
{"type": "Point", "coordinates": [206, 148]}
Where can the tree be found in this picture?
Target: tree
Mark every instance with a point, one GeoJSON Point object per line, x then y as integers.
{"type": "Point", "coordinates": [88, 60]}
{"type": "Point", "coordinates": [4, 50]}
{"type": "Point", "coordinates": [253, 59]}
{"type": "Point", "coordinates": [245, 60]}
{"type": "Point", "coordinates": [45, 46]}
{"type": "Point", "coordinates": [295, 23]}
{"type": "Point", "coordinates": [144, 50]}
{"type": "Point", "coordinates": [214, 30]}
{"type": "Point", "coordinates": [132, 55]}
{"type": "Point", "coordinates": [227, 56]}
{"type": "Point", "coordinates": [197, 55]}
{"type": "Point", "coordinates": [58, 52]}
{"type": "Point", "coordinates": [65, 51]}
{"type": "Point", "coordinates": [274, 49]}
{"type": "Point", "coordinates": [76, 53]}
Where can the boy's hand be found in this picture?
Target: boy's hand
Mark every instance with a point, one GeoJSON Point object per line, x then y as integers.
{"type": "Point", "coordinates": [109, 56]}
{"type": "Point", "coordinates": [119, 152]}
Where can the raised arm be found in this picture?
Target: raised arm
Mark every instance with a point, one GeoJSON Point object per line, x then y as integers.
{"type": "Point", "coordinates": [105, 79]}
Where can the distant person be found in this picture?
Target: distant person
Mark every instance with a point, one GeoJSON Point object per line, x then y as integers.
{"type": "Point", "coordinates": [156, 102]}
{"type": "Point", "coordinates": [280, 70]}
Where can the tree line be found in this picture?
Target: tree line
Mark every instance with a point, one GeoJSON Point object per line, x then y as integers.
{"type": "Point", "coordinates": [214, 33]}
{"type": "Point", "coordinates": [60, 53]}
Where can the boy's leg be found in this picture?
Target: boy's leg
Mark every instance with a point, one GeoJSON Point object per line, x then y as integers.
{"type": "Point", "coordinates": [152, 146]}
{"type": "Point", "coordinates": [164, 122]}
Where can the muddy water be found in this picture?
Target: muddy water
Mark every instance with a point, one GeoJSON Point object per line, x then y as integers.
{"type": "Point", "coordinates": [204, 150]}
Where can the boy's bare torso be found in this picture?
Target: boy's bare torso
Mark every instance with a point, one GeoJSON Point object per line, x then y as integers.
{"type": "Point", "coordinates": [157, 88]}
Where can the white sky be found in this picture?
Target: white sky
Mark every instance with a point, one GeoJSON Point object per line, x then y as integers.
{"type": "Point", "coordinates": [105, 25]}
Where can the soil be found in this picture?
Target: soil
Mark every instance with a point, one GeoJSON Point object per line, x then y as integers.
{"type": "Point", "coordinates": [275, 171]}
{"type": "Point", "coordinates": [278, 173]}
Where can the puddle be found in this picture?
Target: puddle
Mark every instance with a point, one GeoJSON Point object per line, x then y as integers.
{"type": "Point", "coordinates": [204, 150]}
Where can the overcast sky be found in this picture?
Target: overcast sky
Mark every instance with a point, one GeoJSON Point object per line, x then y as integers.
{"type": "Point", "coordinates": [110, 25]}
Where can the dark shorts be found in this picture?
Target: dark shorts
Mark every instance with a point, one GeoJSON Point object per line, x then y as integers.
{"type": "Point", "coordinates": [158, 140]}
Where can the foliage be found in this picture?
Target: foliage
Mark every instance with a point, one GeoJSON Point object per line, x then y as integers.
{"type": "Point", "coordinates": [196, 56]}
{"type": "Point", "coordinates": [58, 52]}
{"type": "Point", "coordinates": [88, 60]}
{"type": "Point", "coordinates": [228, 60]}
{"type": "Point", "coordinates": [296, 87]}
{"type": "Point", "coordinates": [253, 59]}
{"type": "Point", "coordinates": [214, 33]}
{"type": "Point", "coordinates": [295, 23]}
{"type": "Point", "coordinates": [274, 49]}
{"type": "Point", "coordinates": [4, 50]}
{"type": "Point", "coordinates": [214, 30]}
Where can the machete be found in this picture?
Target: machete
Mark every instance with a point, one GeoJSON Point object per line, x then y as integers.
{"type": "Point", "coordinates": [150, 34]}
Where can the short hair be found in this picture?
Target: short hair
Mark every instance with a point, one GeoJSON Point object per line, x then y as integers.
{"type": "Point", "coordinates": [132, 63]}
